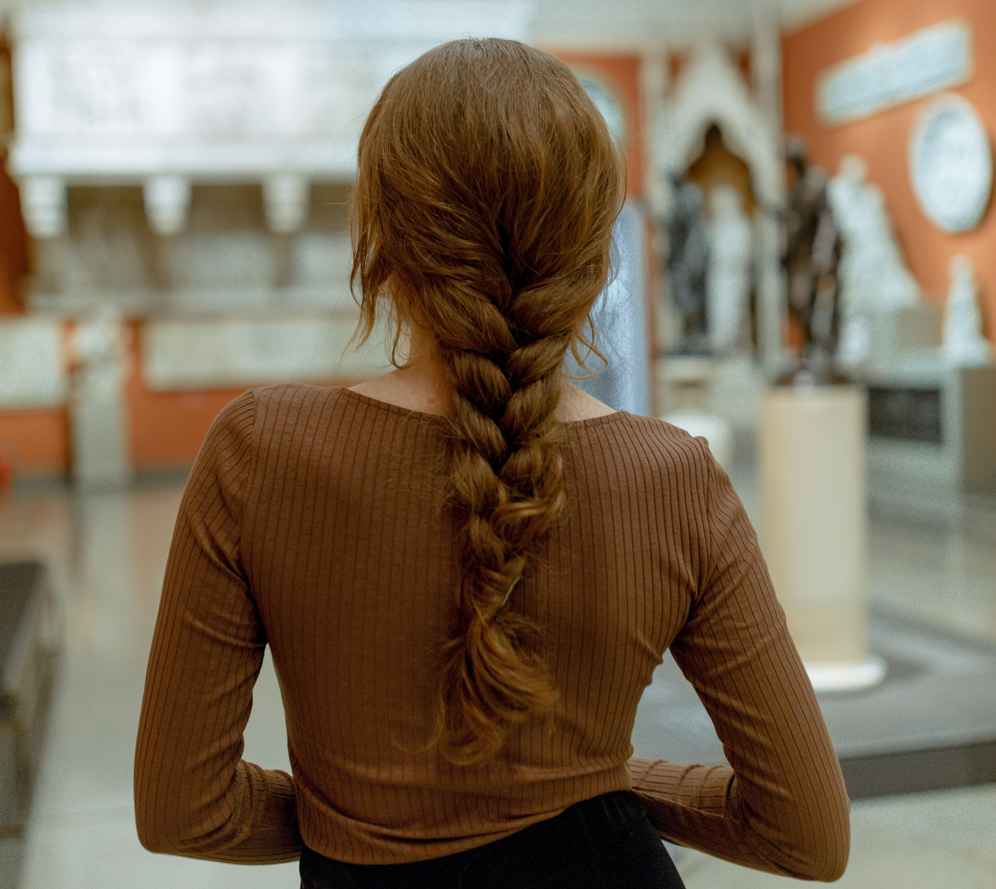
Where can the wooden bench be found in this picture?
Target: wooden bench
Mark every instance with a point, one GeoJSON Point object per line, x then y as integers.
{"type": "Point", "coordinates": [27, 657]}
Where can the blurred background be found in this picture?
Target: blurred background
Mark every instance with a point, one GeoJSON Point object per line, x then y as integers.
{"type": "Point", "coordinates": [805, 276]}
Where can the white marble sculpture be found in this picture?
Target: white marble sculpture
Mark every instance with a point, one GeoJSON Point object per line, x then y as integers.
{"type": "Point", "coordinates": [964, 344]}
{"type": "Point", "coordinates": [874, 279]}
{"type": "Point", "coordinates": [99, 423]}
{"type": "Point", "coordinates": [728, 276]}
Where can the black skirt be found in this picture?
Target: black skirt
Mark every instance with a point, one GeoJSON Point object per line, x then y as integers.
{"type": "Point", "coordinates": [602, 843]}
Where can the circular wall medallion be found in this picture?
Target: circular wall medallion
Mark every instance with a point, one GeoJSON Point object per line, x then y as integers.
{"type": "Point", "coordinates": [951, 164]}
{"type": "Point", "coordinates": [605, 101]}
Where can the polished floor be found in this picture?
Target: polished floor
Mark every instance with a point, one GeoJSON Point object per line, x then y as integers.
{"type": "Point", "coordinates": [107, 554]}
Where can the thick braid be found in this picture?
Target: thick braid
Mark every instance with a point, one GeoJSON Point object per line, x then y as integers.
{"type": "Point", "coordinates": [482, 212]}
{"type": "Point", "coordinates": [506, 473]}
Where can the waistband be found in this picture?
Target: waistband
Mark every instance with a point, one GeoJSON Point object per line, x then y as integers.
{"type": "Point", "coordinates": [528, 856]}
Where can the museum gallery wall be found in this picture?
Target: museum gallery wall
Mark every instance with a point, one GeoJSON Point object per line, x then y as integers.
{"type": "Point", "coordinates": [883, 136]}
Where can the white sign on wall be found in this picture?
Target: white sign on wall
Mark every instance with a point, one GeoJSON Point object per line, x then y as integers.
{"type": "Point", "coordinates": [938, 57]}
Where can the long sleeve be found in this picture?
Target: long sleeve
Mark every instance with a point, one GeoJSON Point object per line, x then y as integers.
{"type": "Point", "coordinates": [194, 795]}
{"type": "Point", "coordinates": [782, 807]}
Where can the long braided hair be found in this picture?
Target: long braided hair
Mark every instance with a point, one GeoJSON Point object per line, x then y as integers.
{"type": "Point", "coordinates": [486, 192]}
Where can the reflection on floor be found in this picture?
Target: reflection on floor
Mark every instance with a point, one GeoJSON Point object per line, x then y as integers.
{"type": "Point", "coordinates": [107, 554]}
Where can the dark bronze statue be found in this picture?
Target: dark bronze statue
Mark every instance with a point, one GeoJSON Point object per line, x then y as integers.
{"type": "Point", "coordinates": [812, 250]}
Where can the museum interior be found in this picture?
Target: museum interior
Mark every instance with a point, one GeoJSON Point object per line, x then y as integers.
{"type": "Point", "coordinates": [805, 276]}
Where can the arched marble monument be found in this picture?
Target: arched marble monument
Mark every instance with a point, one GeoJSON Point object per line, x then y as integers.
{"type": "Point", "coordinates": [711, 90]}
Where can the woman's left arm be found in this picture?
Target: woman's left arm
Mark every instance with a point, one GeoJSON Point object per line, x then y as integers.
{"type": "Point", "coordinates": [194, 794]}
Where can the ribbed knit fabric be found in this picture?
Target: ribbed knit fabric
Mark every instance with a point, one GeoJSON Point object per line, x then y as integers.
{"type": "Point", "coordinates": [315, 521]}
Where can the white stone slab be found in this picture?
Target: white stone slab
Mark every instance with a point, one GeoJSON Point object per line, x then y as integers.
{"type": "Point", "coordinates": [934, 58]}
{"type": "Point", "coordinates": [222, 352]}
{"type": "Point", "coordinates": [126, 91]}
{"type": "Point", "coordinates": [32, 368]}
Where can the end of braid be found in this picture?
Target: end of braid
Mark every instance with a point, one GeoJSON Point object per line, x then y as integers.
{"type": "Point", "coordinates": [491, 679]}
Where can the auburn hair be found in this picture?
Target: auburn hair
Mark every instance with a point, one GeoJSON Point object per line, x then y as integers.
{"type": "Point", "coordinates": [486, 192]}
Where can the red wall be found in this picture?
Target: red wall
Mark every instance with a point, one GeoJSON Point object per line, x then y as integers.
{"type": "Point", "coordinates": [36, 443]}
{"type": "Point", "coordinates": [622, 74]}
{"type": "Point", "coordinates": [883, 138]}
{"type": "Point", "coordinates": [167, 428]}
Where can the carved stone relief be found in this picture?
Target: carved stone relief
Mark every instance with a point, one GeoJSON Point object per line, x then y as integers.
{"type": "Point", "coordinates": [97, 86]}
{"type": "Point", "coordinates": [106, 253]}
{"type": "Point", "coordinates": [234, 89]}
{"type": "Point", "coordinates": [192, 354]}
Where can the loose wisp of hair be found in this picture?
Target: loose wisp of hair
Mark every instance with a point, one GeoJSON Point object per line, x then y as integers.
{"type": "Point", "coordinates": [486, 192]}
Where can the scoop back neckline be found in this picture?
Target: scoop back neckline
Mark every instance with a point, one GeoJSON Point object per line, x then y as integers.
{"type": "Point", "coordinates": [438, 419]}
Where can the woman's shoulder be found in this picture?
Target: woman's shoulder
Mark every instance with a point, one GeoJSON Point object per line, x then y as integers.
{"type": "Point", "coordinates": [623, 432]}
{"type": "Point", "coordinates": [621, 429]}
{"type": "Point", "coordinates": [282, 408]}
{"type": "Point", "coordinates": [293, 396]}
{"type": "Point", "coordinates": [647, 457]}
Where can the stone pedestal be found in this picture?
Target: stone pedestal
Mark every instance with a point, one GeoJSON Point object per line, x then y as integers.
{"type": "Point", "coordinates": [812, 469]}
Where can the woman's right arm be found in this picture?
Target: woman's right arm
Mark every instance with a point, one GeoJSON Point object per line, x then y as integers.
{"type": "Point", "coordinates": [782, 807]}
{"type": "Point", "coordinates": [194, 794]}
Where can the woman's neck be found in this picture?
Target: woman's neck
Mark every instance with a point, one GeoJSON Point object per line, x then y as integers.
{"type": "Point", "coordinates": [420, 385]}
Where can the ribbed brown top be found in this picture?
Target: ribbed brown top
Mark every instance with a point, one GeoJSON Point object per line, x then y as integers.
{"type": "Point", "coordinates": [314, 521]}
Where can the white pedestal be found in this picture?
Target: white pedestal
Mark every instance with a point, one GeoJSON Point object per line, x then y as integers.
{"type": "Point", "coordinates": [812, 466]}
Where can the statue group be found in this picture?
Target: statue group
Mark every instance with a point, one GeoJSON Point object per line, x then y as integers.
{"type": "Point", "coordinates": [845, 275]}
{"type": "Point", "coordinates": [847, 279]}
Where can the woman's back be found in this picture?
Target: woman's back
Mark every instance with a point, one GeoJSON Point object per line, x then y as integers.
{"type": "Point", "coordinates": [333, 505]}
